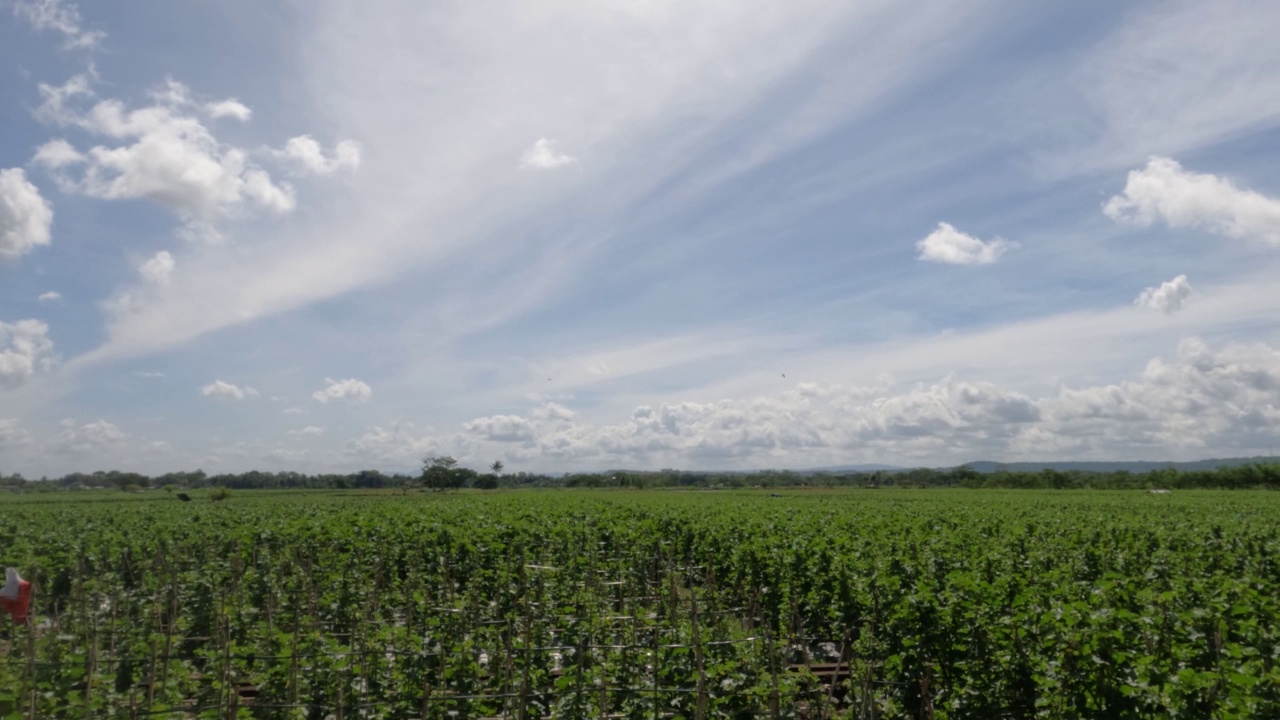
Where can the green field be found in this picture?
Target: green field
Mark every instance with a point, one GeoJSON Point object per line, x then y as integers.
{"type": "Point", "coordinates": [854, 604]}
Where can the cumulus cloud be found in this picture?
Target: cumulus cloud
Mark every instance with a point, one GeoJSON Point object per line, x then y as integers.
{"type": "Point", "coordinates": [158, 269]}
{"type": "Point", "coordinates": [308, 430]}
{"type": "Point", "coordinates": [1226, 397]}
{"type": "Point", "coordinates": [25, 349]}
{"type": "Point", "coordinates": [160, 152]}
{"type": "Point", "coordinates": [949, 245]}
{"type": "Point", "coordinates": [59, 17]}
{"type": "Point", "coordinates": [502, 428]}
{"type": "Point", "coordinates": [57, 154]}
{"type": "Point", "coordinates": [229, 108]}
{"type": "Point", "coordinates": [1164, 192]}
{"type": "Point", "coordinates": [305, 153]}
{"type": "Point", "coordinates": [553, 411]}
{"type": "Point", "coordinates": [350, 389]}
{"type": "Point", "coordinates": [544, 155]}
{"type": "Point", "coordinates": [50, 297]}
{"type": "Point", "coordinates": [25, 216]}
{"type": "Point", "coordinates": [220, 389]}
{"type": "Point", "coordinates": [90, 438]}
{"type": "Point", "coordinates": [1168, 297]}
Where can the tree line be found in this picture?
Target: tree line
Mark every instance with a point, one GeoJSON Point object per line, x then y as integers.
{"type": "Point", "coordinates": [440, 473]}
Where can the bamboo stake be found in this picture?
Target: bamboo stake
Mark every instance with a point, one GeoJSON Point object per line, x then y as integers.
{"type": "Point", "coordinates": [700, 710]}
{"type": "Point", "coordinates": [773, 669]}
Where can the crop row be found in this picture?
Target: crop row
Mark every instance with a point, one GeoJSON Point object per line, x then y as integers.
{"type": "Point", "coordinates": [941, 604]}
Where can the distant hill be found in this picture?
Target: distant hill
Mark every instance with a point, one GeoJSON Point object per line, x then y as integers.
{"type": "Point", "coordinates": [872, 467]}
{"type": "Point", "coordinates": [1134, 466]}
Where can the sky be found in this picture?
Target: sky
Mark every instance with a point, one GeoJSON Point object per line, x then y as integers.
{"type": "Point", "coordinates": [571, 236]}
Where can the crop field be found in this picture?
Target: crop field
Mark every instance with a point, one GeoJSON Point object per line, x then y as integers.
{"type": "Point", "coordinates": [816, 604]}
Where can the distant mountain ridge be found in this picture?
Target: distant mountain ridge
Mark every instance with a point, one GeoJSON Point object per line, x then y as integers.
{"type": "Point", "coordinates": [1135, 466]}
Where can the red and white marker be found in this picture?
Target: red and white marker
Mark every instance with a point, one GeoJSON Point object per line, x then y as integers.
{"type": "Point", "coordinates": [15, 596]}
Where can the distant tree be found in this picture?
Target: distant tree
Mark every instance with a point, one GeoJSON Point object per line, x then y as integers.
{"type": "Point", "coordinates": [441, 472]}
{"type": "Point", "coordinates": [487, 482]}
{"type": "Point", "coordinates": [497, 467]}
{"type": "Point", "coordinates": [219, 494]}
{"type": "Point", "coordinates": [369, 479]}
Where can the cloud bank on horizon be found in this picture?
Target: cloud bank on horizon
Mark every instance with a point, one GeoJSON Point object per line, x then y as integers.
{"type": "Point", "coordinates": [575, 236]}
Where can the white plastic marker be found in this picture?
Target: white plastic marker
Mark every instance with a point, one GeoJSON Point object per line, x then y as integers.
{"type": "Point", "coordinates": [15, 596]}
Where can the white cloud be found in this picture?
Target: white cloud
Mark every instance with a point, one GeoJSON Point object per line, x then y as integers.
{"type": "Point", "coordinates": [229, 108]}
{"type": "Point", "coordinates": [54, 107]}
{"type": "Point", "coordinates": [308, 430]}
{"type": "Point", "coordinates": [259, 187]}
{"type": "Point", "coordinates": [439, 148]}
{"type": "Point", "coordinates": [220, 389]}
{"type": "Point", "coordinates": [12, 434]}
{"type": "Point", "coordinates": [502, 428]}
{"type": "Point", "coordinates": [57, 154]}
{"type": "Point", "coordinates": [544, 155]}
{"type": "Point", "coordinates": [553, 412]}
{"type": "Point", "coordinates": [949, 245]}
{"type": "Point", "coordinates": [90, 438]}
{"type": "Point", "coordinates": [294, 411]}
{"type": "Point", "coordinates": [1168, 298]}
{"type": "Point", "coordinates": [58, 16]}
{"type": "Point", "coordinates": [392, 446]}
{"type": "Point", "coordinates": [25, 216]}
{"type": "Point", "coordinates": [1163, 191]}
{"type": "Point", "coordinates": [50, 297]}
{"type": "Point", "coordinates": [1225, 398]}
{"type": "Point", "coordinates": [158, 269]}
{"type": "Point", "coordinates": [25, 349]}
{"type": "Point", "coordinates": [304, 152]}
{"type": "Point", "coordinates": [350, 389]}
{"type": "Point", "coordinates": [1168, 78]}
{"type": "Point", "coordinates": [155, 273]}
{"type": "Point", "coordinates": [147, 374]}
{"type": "Point", "coordinates": [165, 155]}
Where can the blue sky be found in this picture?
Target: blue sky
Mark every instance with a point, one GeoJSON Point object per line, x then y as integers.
{"type": "Point", "coordinates": [643, 234]}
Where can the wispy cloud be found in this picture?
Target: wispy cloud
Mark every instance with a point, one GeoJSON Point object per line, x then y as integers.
{"type": "Point", "coordinates": [664, 82]}
{"type": "Point", "coordinates": [59, 16]}
{"type": "Point", "coordinates": [313, 430]}
{"type": "Point", "coordinates": [1212, 66]}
